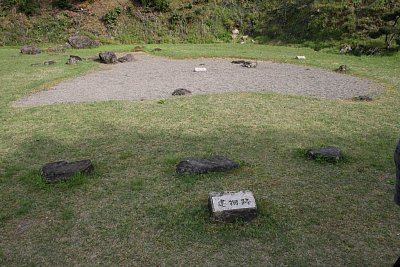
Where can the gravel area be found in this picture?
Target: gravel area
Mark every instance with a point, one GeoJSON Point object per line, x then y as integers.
{"type": "Point", "coordinates": [156, 78]}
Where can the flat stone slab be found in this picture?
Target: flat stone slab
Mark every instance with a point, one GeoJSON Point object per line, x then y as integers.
{"type": "Point", "coordinates": [329, 154]}
{"type": "Point", "coordinates": [62, 170]}
{"type": "Point", "coordinates": [230, 206]}
{"type": "Point", "coordinates": [198, 166]}
{"type": "Point", "coordinates": [397, 162]}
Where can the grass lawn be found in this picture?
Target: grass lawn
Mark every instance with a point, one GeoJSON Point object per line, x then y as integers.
{"type": "Point", "coordinates": [135, 211]}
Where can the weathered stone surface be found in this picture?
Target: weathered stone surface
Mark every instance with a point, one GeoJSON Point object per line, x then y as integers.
{"type": "Point", "coordinates": [215, 164]}
{"type": "Point", "coordinates": [344, 49]}
{"type": "Point", "coordinates": [397, 162]}
{"type": "Point", "coordinates": [362, 98]}
{"type": "Point", "coordinates": [30, 50]}
{"type": "Point", "coordinates": [126, 58]}
{"type": "Point", "coordinates": [108, 57]}
{"type": "Point", "coordinates": [82, 42]}
{"type": "Point", "coordinates": [230, 206]}
{"type": "Point", "coordinates": [329, 154]}
{"type": "Point", "coordinates": [73, 60]}
{"type": "Point", "coordinates": [342, 68]}
{"type": "Point", "coordinates": [200, 69]}
{"type": "Point", "coordinates": [181, 91]}
{"type": "Point", "coordinates": [245, 64]}
{"type": "Point", "coordinates": [62, 170]}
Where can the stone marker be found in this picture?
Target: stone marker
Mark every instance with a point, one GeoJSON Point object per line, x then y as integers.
{"type": "Point", "coordinates": [126, 58]}
{"type": "Point", "coordinates": [200, 69]}
{"type": "Point", "coordinates": [329, 154]}
{"type": "Point", "coordinates": [181, 91]}
{"type": "Point", "coordinates": [30, 50]}
{"type": "Point", "coordinates": [397, 162]}
{"type": "Point", "coordinates": [62, 170]}
{"type": "Point", "coordinates": [108, 57]}
{"type": "Point", "coordinates": [73, 60]}
{"type": "Point", "coordinates": [300, 57]}
{"type": "Point", "coordinates": [215, 164]}
{"type": "Point", "coordinates": [229, 206]}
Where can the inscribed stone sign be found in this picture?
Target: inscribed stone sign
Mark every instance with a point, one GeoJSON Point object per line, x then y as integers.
{"type": "Point", "coordinates": [228, 206]}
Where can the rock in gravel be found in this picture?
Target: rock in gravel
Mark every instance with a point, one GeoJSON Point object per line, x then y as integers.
{"type": "Point", "coordinates": [30, 50]}
{"type": "Point", "coordinates": [126, 58]}
{"type": "Point", "coordinates": [245, 64]}
{"type": "Point", "coordinates": [230, 206]}
{"type": "Point", "coordinates": [82, 42]}
{"type": "Point", "coordinates": [329, 154]}
{"type": "Point", "coordinates": [397, 162]}
{"type": "Point", "coordinates": [181, 91]}
{"type": "Point", "coordinates": [198, 166]}
{"type": "Point", "coordinates": [362, 98]}
{"type": "Point", "coordinates": [108, 57]}
{"type": "Point", "coordinates": [62, 170]}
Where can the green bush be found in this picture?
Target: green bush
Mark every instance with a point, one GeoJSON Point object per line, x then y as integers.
{"type": "Point", "coordinates": [157, 5]}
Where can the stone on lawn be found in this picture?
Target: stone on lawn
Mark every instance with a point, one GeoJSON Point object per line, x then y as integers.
{"type": "Point", "coordinates": [50, 62]}
{"type": "Point", "coordinates": [300, 57]}
{"type": "Point", "coordinates": [198, 166]}
{"type": "Point", "coordinates": [229, 206]}
{"type": "Point", "coordinates": [62, 170]}
{"type": "Point", "coordinates": [397, 162]}
{"type": "Point", "coordinates": [30, 50]}
{"type": "Point", "coordinates": [108, 57]}
{"type": "Point", "coordinates": [156, 50]}
{"type": "Point", "coordinates": [82, 42]}
{"type": "Point", "coordinates": [362, 98]}
{"type": "Point", "coordinates": [73, 60]}
{"type": "Point", "coordinates": [181, 91]}
{"type": "Point", "coordinates": [342, 68]}
{"type": "Point", "coordinates": [329, 154]}
{"type": "Point", "coordinates": [126, 58]}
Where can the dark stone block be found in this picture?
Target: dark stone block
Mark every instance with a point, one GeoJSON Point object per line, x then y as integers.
{"type": "Point", "coordinates": [181, 91]}
{"type": "Point", "coordinates": [156, 50]}
{"type": "Point", "coordinates": [126, 58]}
{"type": "Point", "coordinates": [329, 154]}
{"type": "Point", "coordinates": [108, 57]}
{"type": "Point", "coordinates": [397, 162]}
{"type": "Point", "coordinates": [82, 42]}
{"type": "Point", "coordinates": [245, 64]}
{"type": "Point", "coordinates": [342, 68]}
{"type": "Point", "coordinates": [198, 166]}
{"type": "Point", "coordinates": [62, 170]}
{"type": "Point", "coordinates": [30, 50]}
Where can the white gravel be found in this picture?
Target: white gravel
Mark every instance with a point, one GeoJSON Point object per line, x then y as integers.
{"type": "Point", "coordinates": [156, 78]}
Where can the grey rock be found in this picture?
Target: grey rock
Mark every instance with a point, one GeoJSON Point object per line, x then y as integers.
{"type": "Point", "coordinates": [30, 50]}
{"type": "Point", "coordinates": [126, 58]}
{"type": "Point", "coordinates": [245, 64]}
{"type": "Point", "coordinates": [181, 91]}
{"type": "Point", "coordinates": [62, 170]}
{"type": "Point", "coordinates": [108, 57]}
{"type": "Point", "coordinates": [344, 49]}
{"type": "Point", "coordinates": [362, 98]}
{"type": "Point", "coordinates": [156, 50]}
{"type": "Point", "coordinates": [342, 68]}
{"type": "Point", "coordinates": [198, 166]}
{"type": "Point", "coordinates": [329, 154]}
{"type": "Point", "coordinates": [397, 162]}
{"type": "Point", "coordinates": [73, 60]}
{"type": "Point", "coordinates": [230, 206]}
{"type": "Point", "coordinates": [82, 42]}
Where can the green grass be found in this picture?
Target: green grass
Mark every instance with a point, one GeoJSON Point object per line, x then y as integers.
{"type": "Point", "coordinates": [136, 211]}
